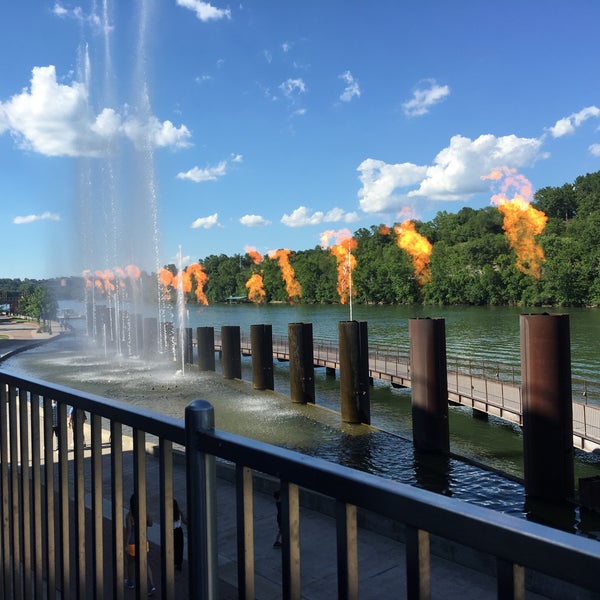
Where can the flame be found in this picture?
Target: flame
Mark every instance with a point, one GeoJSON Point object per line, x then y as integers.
{"type": "Point", "coordinates": [196, 271]}
{"type": "Point", "coordinates": [384, 230]}
{"type": "Point", "coordinates": [346, 261]}
{"type": "Point", "coordinates": [133, 272]}
{"type": "Point", "coordinates": [165, 277]}
{"type": "Point", "coordinates": [256, 292]}
{"type": "Point", "coordinates": [292, 287]}
{"type": "Point", "coordinates": [522, 222]}
{"type": "Point", "coordinates": [87, 277]}
{"type": "Point", "coordinates": [253, 254]}
{"type": "Point", "coordinates": [418, 248]}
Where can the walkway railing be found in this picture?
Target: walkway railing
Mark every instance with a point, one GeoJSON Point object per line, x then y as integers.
{"type": "Point", "coordinates": [51, 541]}
{"type": "Point", "coordinates": [486, 386]}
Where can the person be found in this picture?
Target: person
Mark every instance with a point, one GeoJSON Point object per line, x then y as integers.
{"type": "Point", "coordinates": [179, 519]}
{"type": "Point", "coordinates": [277, 496]}
{"type": "Point", "coordinates": [130, 521]}
{"type": "Point", "coordinates": [55, 423]}
{"type": "Point", "coordinates": [71, 424]}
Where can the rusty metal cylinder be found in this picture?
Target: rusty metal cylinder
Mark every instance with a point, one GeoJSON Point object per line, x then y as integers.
{"type": "Point", "coordinates": [429, 381]}
{"type": "Point", "coordinates": [302, 364]}
{"type": "Point", "coordinates": [231, 355]}
{"type": "Point", "coordinates": [206, 348]}
{"type": "Point", "coordinates": [189, 346]}
{"type": "Point", "coordinates": [261, 344]}
{"type": "Point", "coordinates": [150, 337]}
{"type": "Point", "coordinates": [355, 391]}
{"type": "Point", "coordinates": [547, 406]}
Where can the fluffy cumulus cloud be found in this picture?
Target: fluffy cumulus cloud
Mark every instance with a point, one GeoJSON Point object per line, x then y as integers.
{"type": "Point", "coordinates": [424, 97]}
{"type": "Point", "coordinates": [352, 89]}
{"type": "Point", "coordinates": [302, 216]}
{"type": "Point", "coordinates": [454, 175]}
{"type": "Point", "coordinates": [205, 11]}
{"type": "Point", "coordinates": [595, 149]}
{"type": "Point", "coordinates": [567, 125]}
{"type": "Point", "coordinates": [56, 119]}
{"type": "Point", "coordinates": [206, 222]}
{"type": "Point", "coordinates": [46, 216]}
{"type": "Point", "coordinates": [254, 221]}
{"type": "Point", "coordinates": [197, 175]}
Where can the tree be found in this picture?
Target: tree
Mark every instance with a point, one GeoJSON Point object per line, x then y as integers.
{"type": "Point", "coordinates": [38, 303]}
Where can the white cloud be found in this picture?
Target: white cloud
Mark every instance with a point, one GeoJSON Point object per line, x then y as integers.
{"type": "Point", "coordinates": [352, 88]}
{"type": "Point", "coordinates": [425, 97]}
{"type": "Point", "coordinates": [237, 158]}
{"type": "Point", "coordinates": [595, 149]}
{"type": "Point", "coordinates": [301, 217]}
{"type": "Point", "coordinates": [46, 216]}
{"type": "Point", "coordinates": [77, 14]}
{"type": "Point", "coordinates": [293, 86]}
{"type": "Point", "coordinates": [205, 11]}
{"type": "Point", "coordinates": [55, 119]}
{"type": "Point", "coordinates": [286, 46]}
{"type": "Point", "coordinates": [198, 175]}
{"type": "Point", "coordinates": [568, 124]}
{"type": "Point", "coordinates": [206, 222]}
{"type": "Point", "coordinates": [454, 175]}
{"type": "Point", "coordinates": [254, 221]}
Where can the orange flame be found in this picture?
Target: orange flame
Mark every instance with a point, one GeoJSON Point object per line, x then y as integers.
{"type": "Point", "coordinates": [384, 230]}
{"type": "Point", "coordinates": [292, 287]}
{"type": "Point", "coordinates": [165, 277]}
{"type": "Point", "coordinates": [256, 291]}
{"type": "Point", "coordinates": [196, 271]}
{"type": "Point", "coordinates": [133, 272]}
{"type": "Point", "coordinates": [418, 248]}
{"type": "Point", "coordinates": [522, 222]}
{"type": "Point", "coordinates": [253, 254]}
{"type": "Point", "coordinates": [346, 261]}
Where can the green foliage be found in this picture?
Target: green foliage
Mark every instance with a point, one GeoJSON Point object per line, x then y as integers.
{"type": "Point", "coordinates": [38, 302]}
{"type": "Point", "coordinates": [471, 262]}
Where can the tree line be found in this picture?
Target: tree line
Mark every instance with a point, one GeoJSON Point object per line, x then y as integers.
{"type": "Point", "coordinates": [471, 262]}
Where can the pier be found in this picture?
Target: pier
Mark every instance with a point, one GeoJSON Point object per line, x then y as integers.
{"type": "Point", "coordinates": [488, 388]}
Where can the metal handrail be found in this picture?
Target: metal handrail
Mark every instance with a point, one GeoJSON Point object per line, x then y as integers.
{"type": "Point", "coordinates": [28, 509]}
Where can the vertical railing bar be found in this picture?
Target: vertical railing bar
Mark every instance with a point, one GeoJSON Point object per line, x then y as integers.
{"type": "Point", "coordinates": [6, 494]}
{"type": "Point", "coordinates": [116, 475]}
{"type": "Point", "coordinates": [79, 483]}
{"type": "Point", "coordinates": [201, 483]}
{"type": "Point", "coordinates": [166, 521]}
{"type": "Point", "coordinates": [245, 531]}
{"type": "Point", "coordinates": [141, 516]}
{"type": "Point", "coordinates": [25, 493]}
{"type": "Point", "coordinates": [49, 514]}
{"type": "Point", "coordinates": [36, 474]}
{"type": "Point", "coordinates": [64, 566]}
{"type": "Point", "coordinates": [418, 571]}
{"type": "Point", "coordinates": [15, 488]}
{"type": "Point", "coordinates": [347, 550]}
{"type": "Point", "coordinates": [510, 580]}
{"type": "Point", "coordinates": [290, 526]}
{"type": "Point", "coordinates": [97, 516]}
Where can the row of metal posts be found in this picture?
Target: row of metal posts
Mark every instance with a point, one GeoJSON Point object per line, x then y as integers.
{"type": "Point", "coordinates": [545, 366]}
{"type": "Point", "coordinates": [546, 385]}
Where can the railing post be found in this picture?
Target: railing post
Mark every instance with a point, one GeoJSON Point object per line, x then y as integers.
{"type": "Point", "coordinates": [201, 502]}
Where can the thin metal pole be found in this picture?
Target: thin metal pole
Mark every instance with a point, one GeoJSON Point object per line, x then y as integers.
{"type": "Point", "coordinates": [201, 502]}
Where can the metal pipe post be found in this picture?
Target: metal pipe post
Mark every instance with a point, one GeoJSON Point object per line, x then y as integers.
{"type": "Point", "coordinates": [231, 359]}
{"type": "Point", "coordinates": [547, 406]}
{"type": "Point", "coordinates": [355, 391]}
{"type": "Point", "coordinates": [201, 481]}
{"type": "Point", "coordinates": [206, 348]}
{"type": "Point", "coordinates": [189, 346]}
{"type": "Point", "coordinates": [150, 337]}
{"type": "Point", "coordinates": [429, 380]}
{"type": "Point", "coordinates": [261, 343]}
{"type": "Point", "coordinates": [302, 363]}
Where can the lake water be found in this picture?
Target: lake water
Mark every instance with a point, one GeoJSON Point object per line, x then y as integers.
{"type": "Point", "coordinates": [490, 334]}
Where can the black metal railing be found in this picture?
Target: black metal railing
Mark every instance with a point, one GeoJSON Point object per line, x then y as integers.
{"type": "Point", "coordinates": [50, 541]}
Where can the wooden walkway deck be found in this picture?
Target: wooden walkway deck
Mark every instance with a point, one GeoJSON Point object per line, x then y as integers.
{"type": "Point", "coordinates": [468, 384]}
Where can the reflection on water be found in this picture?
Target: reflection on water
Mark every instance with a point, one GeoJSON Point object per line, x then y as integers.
{"type": "Point", "coordinates": [385, 449]}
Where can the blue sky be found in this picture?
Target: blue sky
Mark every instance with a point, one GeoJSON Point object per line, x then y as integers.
{"type": "Point", "coordinates": [214, 127]}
